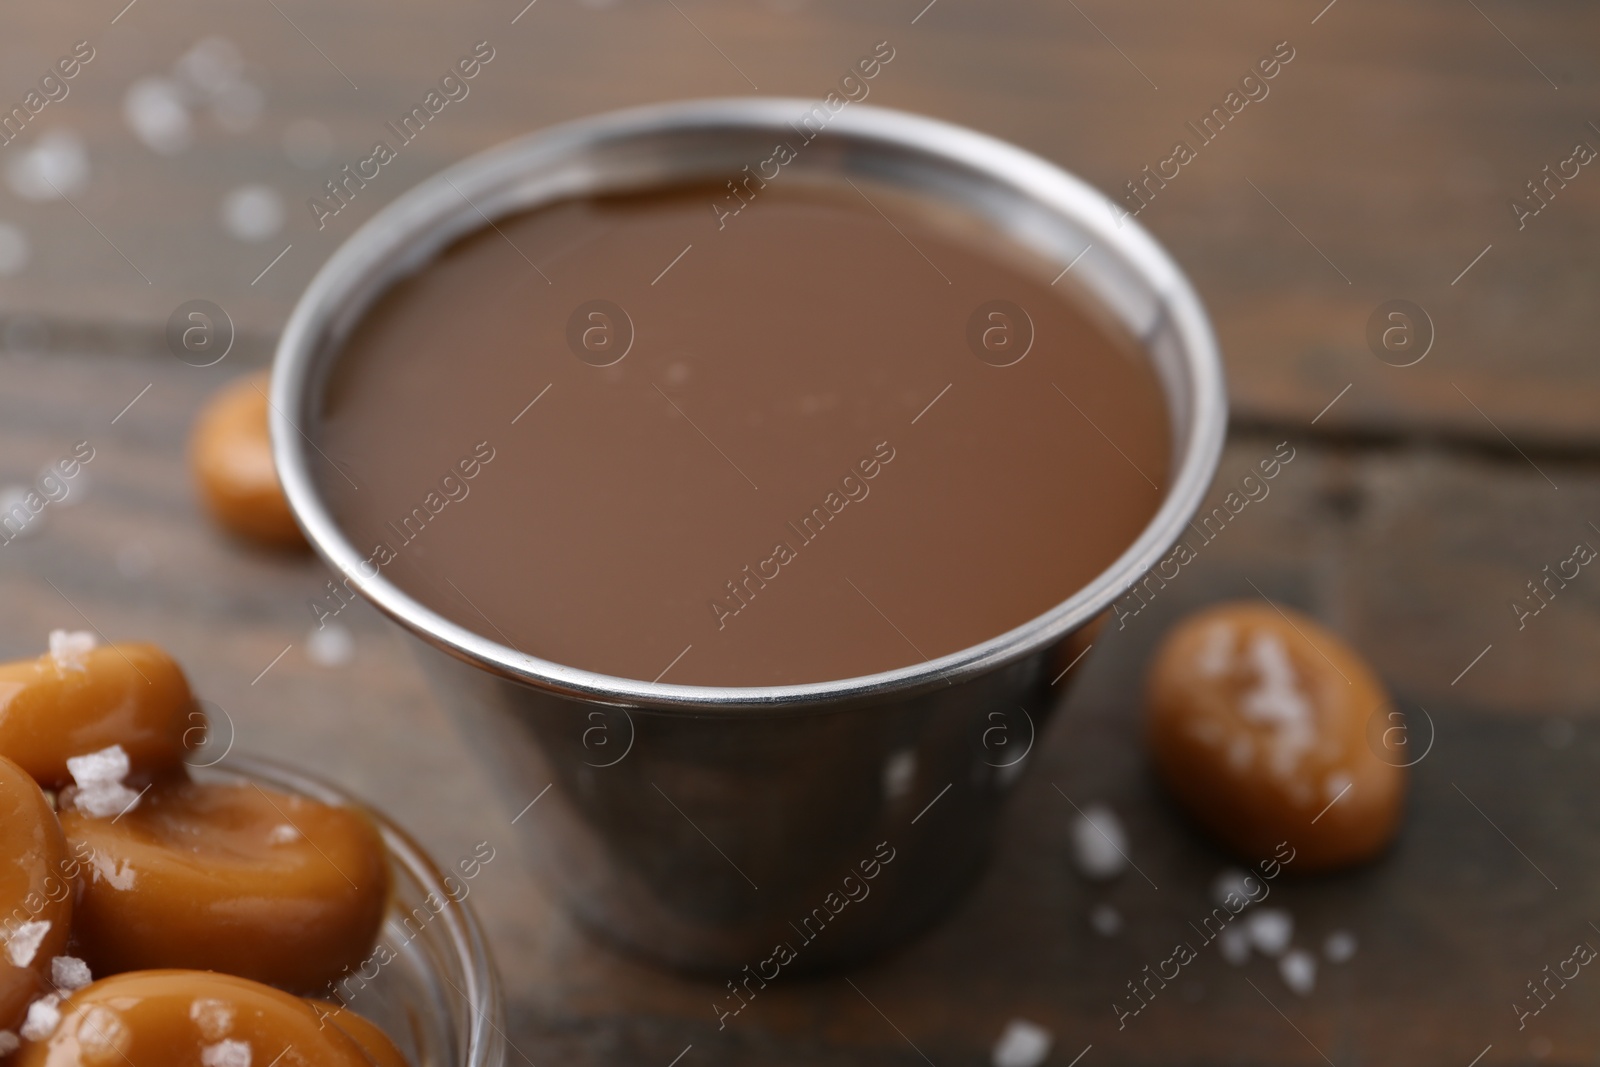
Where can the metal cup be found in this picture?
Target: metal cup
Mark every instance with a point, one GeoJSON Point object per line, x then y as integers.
{"type": "Point", "coordinates": [748, 831]}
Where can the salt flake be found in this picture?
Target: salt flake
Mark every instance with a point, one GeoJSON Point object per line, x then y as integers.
{"type": "Point", "coordinates": [226, 1054]}
{"type": "Point", "coordinates": [1022, 1044]}
{"type": "Point", "coordinates": [1280, 704]}
{"type": "Point", "coordinates": [253, 212]}
{"type": "Point", "coordinates": [24, 942]}
{"type": "Point", "coordinates": [899, 771]}
{"type": "Point", "coordinates": [105, 800]}
{"type": "Point", "coordinates": [95, 768]}
{"type": "Point", "coordinates": [1099, 843]}
{"type": "Point", "coordinates": [155, 111]}
{"type": "Point", "coordinates": [1232, 881]}
{"type": "Point", "coordinates": [1340, 946]}
{"type": "Point", "coordinates": [1299, 971]}
{"type": "Point", "coordinates": [118, 874]}
{"type": "Point", "coordinates": [68, 973]}
{"type": "Point", "coordinates": [102, 1035]}
{"type": "Point", "coordinates": [1105, 920]}
{"type": "Point", "coordinates": [330, 646]}
{"type": "Point", "coordinates": [213, 1017]}
{"type": "Point", "coordinates": [1234, 944]}
{"type": "Point", "coordinates": [69, 647]}
{"type": "Point", "coordinates": [99, 777]}
{"type": "Point", "coordinates": [1270, 930]}
{"type": "Point", "coordinates": [57, 165]}
{"type": "Point", "coordinates": [44, 1015]}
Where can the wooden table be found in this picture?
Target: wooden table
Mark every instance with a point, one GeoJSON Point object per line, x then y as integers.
{"type": "Point", "coordinates": [1381, 166]}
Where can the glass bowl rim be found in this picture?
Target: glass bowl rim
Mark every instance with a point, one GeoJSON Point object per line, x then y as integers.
{"type": "Point", "coordinates": [484, 1037]}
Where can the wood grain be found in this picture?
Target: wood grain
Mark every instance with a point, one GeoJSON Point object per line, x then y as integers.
{"type": "Point", "coordinates": [1410, 552]}
{"type": "Point", "coordinates": [1416, 511]}
{"type": "Point", "coordinates": [1382, 162]}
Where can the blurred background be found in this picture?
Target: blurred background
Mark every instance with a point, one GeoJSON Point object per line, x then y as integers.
{"type": "Point", "coordinates": [1436, 153]}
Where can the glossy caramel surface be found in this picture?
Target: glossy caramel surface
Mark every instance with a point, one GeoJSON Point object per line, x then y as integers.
{"type": "Point", "coordinates": [1268, 728]}
{"type": "Point", "coordinates": [54, 708]}
{"type": "Point", "coordinates": [234, 878]}
{"type": "Point", "coordinates": [378, 1046]}
{"type": "Point", "coordinates": [230, 454]}
{"type": "Point", "coordinates": [172, 1018]}
{"type": "Point", "coordinates": [36, 886]}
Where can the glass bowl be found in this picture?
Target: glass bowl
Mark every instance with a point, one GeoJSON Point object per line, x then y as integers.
{"type": "Point", "coordinates": [434, 991]}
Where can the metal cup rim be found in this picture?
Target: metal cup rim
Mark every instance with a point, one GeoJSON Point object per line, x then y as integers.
{"type": "Point", "coordinates": [406, 232]}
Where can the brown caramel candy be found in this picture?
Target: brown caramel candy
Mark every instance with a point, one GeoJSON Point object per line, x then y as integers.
{"type": "Point", "coordinates": [231, 455]}
{"type": "Point", "coordinates": [79, 700]}
{"type": "Point", "coordinates": [1258, 724]}
{"type": "Point", "coordinates": [373, 1041]}
{"type": "Point", "coordinates": [278, 888]}
{"type": "Point", "coordinates": [36, 887]}
{"type": "Point", "coordinates": [188, 1019]}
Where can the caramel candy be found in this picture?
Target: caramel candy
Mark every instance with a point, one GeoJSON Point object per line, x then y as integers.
{"type": "Point", "coordinates": [36, 887]}
{"type": "Point", "coordinates": [373, 1041]}
{"type": "Point", "coordinates": [79, 699]}
{"type": "Point", "coordinates": [231, 455]}
{"type": "Point", "coordinates": [277, 888]}
{"type": "Point", "coordinates": [188, 1019]}
{"type": "Point", "coordinates": [1257, 723]}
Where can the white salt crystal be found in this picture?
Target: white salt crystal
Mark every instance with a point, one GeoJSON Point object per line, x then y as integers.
{"type": "Point", "coordinates": [1105, 920]}
{"type": "Point", "coordinates": [102, 1035]}
{"type": "Point", "coordinates": [24, 942]}
{"type": "Point", "coordinates": [1022, 1044]}
{"type": "Point", "coordinates": [330, 646]}
{"type": "Point", "coordinates": [1299, 970]}
{"type": "Point", "coordinates": [69, 647]}
{"type": "Point", "coordinates": [105, 800]}
{"type": "Point", "coordinates": [898, 772]}
{"type": "Point", "coordinates": [1270, 930]}
{"type": "Point", "coordinates": [253, 212]}
{"type": "Point", "coordinates": [1099, 843]}
{"type": "Point", "coordinates": [68, 973]}
{"type": "Point", "coordinates": [1236, 882]}
{"type": "Point", "coordinates": [1234, 944]}
{"type": "Point", "coordinates": [1340, 946]}
{"type": "Point", "coordinates": [213, 1017]}
{"type": "Point", "coordinates": [9, 1043]}
{"type": "Point", "coordinates": [1278, 702]}
{"type": "Point", "coordinates": [283, 835]}
{"type": "Point", "coordinates": [226, 1054]}
{"type": "Point", "coordinates": [107, 765]}
{"type": "Point", "coordinates": [99, 776]}
{"type": "Point", "coordinates": [155, 111]}
{"type": "Point", "coordinates": [57, 165]}
{"type": "Point", "coordinates": [11, 498]}
{"type": "Point", "coordinates": [44, 1015]}
{"type": "Point", "coordinates": [118, 874]}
